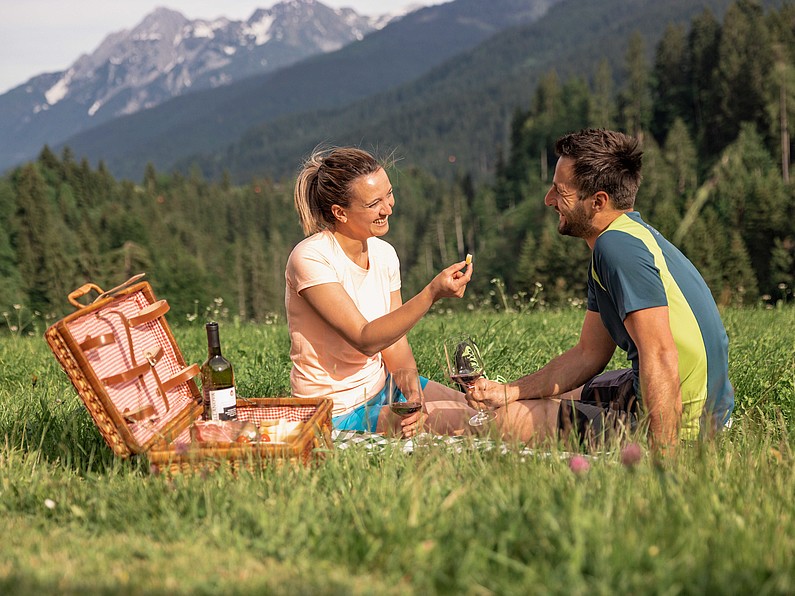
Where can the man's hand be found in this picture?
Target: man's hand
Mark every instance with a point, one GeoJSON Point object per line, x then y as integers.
{"type": "Point", "coordinates": [490, 395]}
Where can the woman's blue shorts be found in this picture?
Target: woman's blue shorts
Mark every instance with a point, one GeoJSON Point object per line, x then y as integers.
{"type": "Point", "coordinates": [365, 417]}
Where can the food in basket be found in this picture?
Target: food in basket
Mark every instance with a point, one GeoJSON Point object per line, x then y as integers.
{"type": "Point", "coordinates": [240, 431]}
{"type": "Point", "coordinates": [250, 434]}
{"type": "Point", "coordinates": [225, 431]}
{"type": "Point", "coordinates": [281, 430]}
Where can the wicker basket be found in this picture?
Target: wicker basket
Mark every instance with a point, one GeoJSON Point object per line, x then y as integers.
{"type": "Point", "coordinates": [122, 359]}
{"type": "Point", "coordinates": [311, 442]}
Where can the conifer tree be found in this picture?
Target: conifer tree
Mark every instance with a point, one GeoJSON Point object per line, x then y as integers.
{"type": "Point", "coordinates": [679, 153]}
{"type": "Point", "coordinates": [10, 282]}
{"type": "Point", "coordinates": [636, 96]}
{"type": "Point", "coordinates": [44, 254]}
{"type": "Point", "coordinates": [671, 82]}
{"type": "Point", "coordinates": [601, 111]}
{"type": "Point", "coordinates": [752, 200]}
{"type": "Point", "coordinates": [703, 41]}
{"type": "Point", "coordinates": [745, 59]}
{"type": "Point", "coordinates": [657, 198]}
{"type": "Point", "coordinates": [740, 286]}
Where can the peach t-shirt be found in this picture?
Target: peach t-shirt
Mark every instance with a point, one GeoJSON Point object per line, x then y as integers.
{"type": "Point", "coordinates": [324, 364]}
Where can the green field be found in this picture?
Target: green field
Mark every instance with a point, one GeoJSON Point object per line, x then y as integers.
{"type": "Point", "coordinates": [718, 520]}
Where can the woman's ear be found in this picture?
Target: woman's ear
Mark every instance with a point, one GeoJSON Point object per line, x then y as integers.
{"type": "Point", "coordinates": [339, 213]}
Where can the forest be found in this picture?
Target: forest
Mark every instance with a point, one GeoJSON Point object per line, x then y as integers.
{"type": "Point", "coordinates": [712, 108]}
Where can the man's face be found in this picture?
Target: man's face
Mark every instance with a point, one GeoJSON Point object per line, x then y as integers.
{"type": "Point", "coordinates": [575, 216]}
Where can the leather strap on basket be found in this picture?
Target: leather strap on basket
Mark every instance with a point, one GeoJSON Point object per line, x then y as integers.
{"type": "Point", "coordinates": [136, 371]}
{"type": "Point", "coordinates": [92, 343]}
{"type": "Point", "coordinates": [149, 313]}
{"type": "Point", "coordinates": [183, 377]}
{"type": "Point", "coordinates": [163, 387]}
{"type": "Point", "coordinates": [144, 413]}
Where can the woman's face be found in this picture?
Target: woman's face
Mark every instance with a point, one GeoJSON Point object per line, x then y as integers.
{"type": "Point", "coordinates": [370, 206]}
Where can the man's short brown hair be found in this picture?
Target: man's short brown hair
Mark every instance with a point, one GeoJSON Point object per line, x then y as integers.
{"type": "Point", "coordinates": [604, 160]}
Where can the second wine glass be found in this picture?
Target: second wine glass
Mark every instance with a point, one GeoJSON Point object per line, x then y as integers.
{"type": "Point", "coordinates": [464, 367]}
{"type": "Point", "coordinates": [404, 392]}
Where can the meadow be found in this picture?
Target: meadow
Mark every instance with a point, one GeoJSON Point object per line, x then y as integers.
{"type": "Point", "coordinates": [718, 519]}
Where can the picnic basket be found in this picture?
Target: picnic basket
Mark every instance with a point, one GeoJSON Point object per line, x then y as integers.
{"type": "Point", "coordinates": [122, 358]}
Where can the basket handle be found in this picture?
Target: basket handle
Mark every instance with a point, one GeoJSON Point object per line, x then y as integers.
{"type": "Point", "coordinates": [82, 291]}
{"type": "Point", "coordinates": [86, 288]}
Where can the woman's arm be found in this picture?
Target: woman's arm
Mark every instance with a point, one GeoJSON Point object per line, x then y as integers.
{"type": "Point", "coordinates": [336, 307]}
{"type": "Point", "coordinates": [399, 354]}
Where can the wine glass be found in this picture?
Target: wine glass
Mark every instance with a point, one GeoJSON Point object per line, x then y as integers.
{"type": "Point", "coordinates": [464, 367]}
{"type": "Point", "coordinates": [404, 392]}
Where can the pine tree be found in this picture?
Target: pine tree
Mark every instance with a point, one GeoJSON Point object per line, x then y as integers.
{"type": "Point", "coordinates": [672, 97]}
{"type": "Point", "coordinates": [703, 42]}
{"type": "Point", "coordinates": [679, 153]}
{"type": "Point", "coordinates": [752, 200]}
{"type": "Point", "coordinates": [45, 255]}
{"type": "Point", "coordinates": [10, 281]}
{"type": "Point", "coordinates": [745, 59]}
{"type": "Point", "coordinates": [636, 96]}
{"type": "Point", "coordinates": [602, 106]}
{"type": "Point", "coordinates": [657, 197]}
{"type": "Point", "coordinates": [782, 268]}
{"type": "Point", "coordinates": [740, 286]}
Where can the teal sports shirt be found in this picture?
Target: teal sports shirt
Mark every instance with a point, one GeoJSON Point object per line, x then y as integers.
{"type": "Point", "coordinates": [634, 267]}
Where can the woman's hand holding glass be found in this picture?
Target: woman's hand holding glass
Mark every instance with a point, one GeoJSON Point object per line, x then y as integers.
{"type": "Point", "coordinates": [407, 400]}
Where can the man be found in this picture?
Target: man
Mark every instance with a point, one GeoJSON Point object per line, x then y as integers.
{"type": "Point", "coordinates": [644, 296]}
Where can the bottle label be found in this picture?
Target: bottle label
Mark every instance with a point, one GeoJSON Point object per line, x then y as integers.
{"type": "Point", "coordinates": [223, 404]}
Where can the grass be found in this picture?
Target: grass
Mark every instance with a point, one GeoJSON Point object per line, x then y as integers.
{"type": "Point", "coordinates": [75, 519]}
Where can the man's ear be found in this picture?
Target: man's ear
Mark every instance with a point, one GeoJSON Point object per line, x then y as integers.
{"type": "Point", "coordinates": [600, 200]}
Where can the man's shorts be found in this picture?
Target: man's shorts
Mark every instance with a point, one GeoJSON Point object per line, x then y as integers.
{"type": "Point", "coordinates": [365, 417]}
{"type": "Point", "coordinates": [607, 408]}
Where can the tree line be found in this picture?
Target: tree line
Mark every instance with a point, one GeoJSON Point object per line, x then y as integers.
{"type": "Point", "coordinates": [712, 108]}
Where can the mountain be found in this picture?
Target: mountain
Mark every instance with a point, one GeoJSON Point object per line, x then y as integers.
{"type": "Point", "coordinates": [457, 117]}
{"type": "Point", "coordinates": [165, 56]}
{"type": "Point", "coordinates": [208, 121]}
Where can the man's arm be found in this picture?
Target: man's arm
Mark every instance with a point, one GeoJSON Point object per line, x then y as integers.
{"type": "Point", "coordinates": [658, 357]}
{"type": "Point", "coordinates": [563, 373]}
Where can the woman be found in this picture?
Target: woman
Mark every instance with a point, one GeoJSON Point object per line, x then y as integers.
{"type": "Point", "coordinates": [347, 320]}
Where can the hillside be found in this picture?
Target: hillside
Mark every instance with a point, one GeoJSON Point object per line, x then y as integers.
{"type": "Point", "coordinates": [208, 121]}
{"type": "Point", "coordinates": [463, 107]}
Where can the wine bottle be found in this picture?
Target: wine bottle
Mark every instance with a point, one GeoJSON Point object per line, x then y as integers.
{"type": "Point", "coordinates": [218, 380]}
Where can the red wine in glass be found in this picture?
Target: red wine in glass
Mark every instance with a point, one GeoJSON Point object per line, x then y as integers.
{"type": "Point", "coordinates": [404, 392]}
{"type": "Point", "coordinates": [464, 367]}
{"type": "Point", "coordinates": [466, 380]}
{"type": "Point", "coordinates": [405, 408]}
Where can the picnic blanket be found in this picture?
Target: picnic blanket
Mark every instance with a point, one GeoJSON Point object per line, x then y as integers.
{"type": "Point", "coordinates": [345, 439]}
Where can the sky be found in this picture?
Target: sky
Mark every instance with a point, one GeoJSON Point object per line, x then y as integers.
{"type": "Point", "coordinates": [38, 36]}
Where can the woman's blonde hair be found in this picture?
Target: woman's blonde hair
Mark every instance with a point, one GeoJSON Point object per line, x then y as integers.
{"type": "Point", "coordinates": [325, 180]}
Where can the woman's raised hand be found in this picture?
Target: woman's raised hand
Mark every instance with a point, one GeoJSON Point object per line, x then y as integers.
{"type": "Point", "coordinates": [452, 281]}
